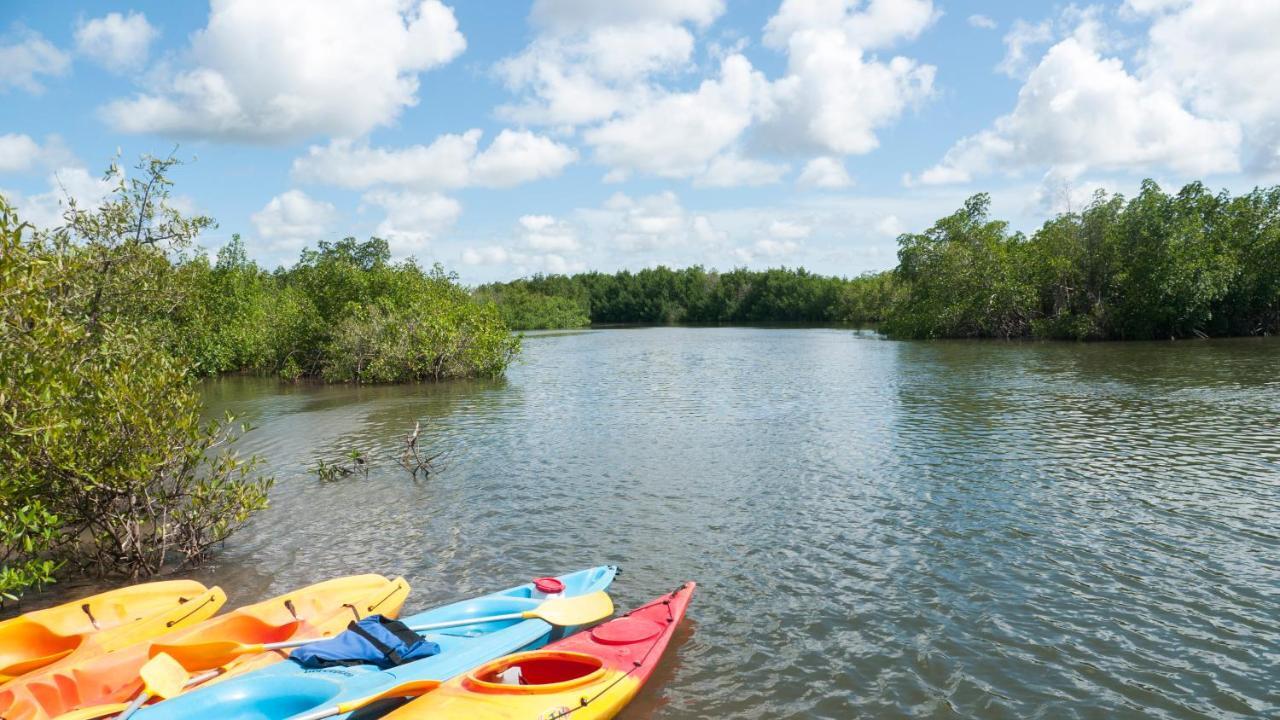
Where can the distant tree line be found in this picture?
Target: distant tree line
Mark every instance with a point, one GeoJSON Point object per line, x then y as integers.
{"type": "Point", "coordinates": [1154, 266]}
{"type": "Point", "coordinates": [691, 295]}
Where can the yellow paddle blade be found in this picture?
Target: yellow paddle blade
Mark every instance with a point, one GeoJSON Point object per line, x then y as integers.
{"type": "Point", "coordinates": [413, 688]}
{"type": "Point", "coordinates": [92, 713]}
{"type": "Point", "coordinates": [577, 610]}
{"type": "Point", "coordinates": [163, 677]}
{"type": "Point", "coordinates": [204, 656]}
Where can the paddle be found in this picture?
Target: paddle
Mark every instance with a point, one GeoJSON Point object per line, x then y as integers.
{"type": "Point", "coordinates": [413, 688]}
{"type": "Point", "coordinates": [162, 677]}
{"type": "Point", "coordinates": [578, 610]}
{"type": "Point", "coordinates": [100, 711]}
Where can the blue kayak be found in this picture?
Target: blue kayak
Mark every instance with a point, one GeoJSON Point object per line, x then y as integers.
{"type": "Point", "coordinates": [287, 689]}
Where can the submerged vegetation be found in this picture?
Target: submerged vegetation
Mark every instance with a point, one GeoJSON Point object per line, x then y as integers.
{"type": "Point", "coordinates": [1193, 264]}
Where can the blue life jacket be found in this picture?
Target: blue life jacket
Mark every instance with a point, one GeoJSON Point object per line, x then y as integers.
{"type": "Point", "coordinates": [375, 640]}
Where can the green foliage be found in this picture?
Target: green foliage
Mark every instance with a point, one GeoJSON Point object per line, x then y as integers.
{"type": "Point", "coordinates": [866, 299]}
{"type": "Point", "coordinates": [352, 461]}
{"type": "Point", "coordinates": [343, 312]}
{"type": "Point", "coordinates": [964, 278]}
{"type": "Point", "coordinates": [524, 309]}
{"type": "Point", "coordinates": [435, 332]}
{"type": "Point", "coordinates": [1156, 266]}
{"type": "Point", "coordinates": [691, 295]}
{"type": "Point", "coordinates": [105, 464]}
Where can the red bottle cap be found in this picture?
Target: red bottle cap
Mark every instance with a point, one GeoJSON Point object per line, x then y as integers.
{"type": "Point", "coordinates": [548, 585]}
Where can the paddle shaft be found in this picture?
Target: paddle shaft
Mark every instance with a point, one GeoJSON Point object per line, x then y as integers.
{"type": "Point", "coordinates": [133, 706]}
{"type": "Point", "coordinates": [414, 628]}
{"type": "Point", "coordinates": [321, 713]}
{"type": "Point", "coordinates": [412, 688]}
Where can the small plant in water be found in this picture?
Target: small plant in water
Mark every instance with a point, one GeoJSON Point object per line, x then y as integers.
{"type": "Point", "coordinates": [352, 462]}
{"type": "Point", "coordinates": [412, 458]}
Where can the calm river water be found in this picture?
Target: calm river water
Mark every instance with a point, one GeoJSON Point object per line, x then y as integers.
{"type": "Point", "coordinates": [880, 529]}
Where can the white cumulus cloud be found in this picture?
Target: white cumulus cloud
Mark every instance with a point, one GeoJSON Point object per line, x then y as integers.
{"type": "Point", "coordinates": [546, 244]}
{"type": "Point", "coordinates": [289, 69]}
{"type": "Point", "coordinates": [836, 95]}
{"type": "Point", "coordinates": [868, 26]}
{"type": "Point", "coordinates": [789, 230]}
{"type": "Point", "coordinates": [1218, 56]}
{"type": "Point", "coordinates": [293, 219]}
{"type": "Point", "coordinates": [519, 156]}
{"type": "Point", "coordinates": [26, 56]}
{"type": "Point", "coordinates": [982, 22]}
{"type": "Point", "coordinates": [412, 219]}
{"type": "Point", "coordinates": [680, 133]}
{"type": "Point", "coordinates": [619, 70]}
{"type": "Point", "coordinates": [591, 60]}
{"type": "Point", "coordinates": [824, 172]}
{"type": "Point", "coordinates": [66, 184]}
{"type": "Point", "coordinates": [117, 42]}
{"type": "Point", "coordinates": [566, 16]}
{"type": "Point", "coordinates": [548, 234]}
{"type": "Point", "coordinates": [733, 170]}
{"type": "Point", "coordinates": [1022, 37]}
{"type": "Point", "coordinates": [17, 152]}
{"type": "Point", "coordinates": [450, 161]}
{"type": "Point", "coordinates": [1081, 110]}
{"type": "Point", "coordinates": [486, 255]}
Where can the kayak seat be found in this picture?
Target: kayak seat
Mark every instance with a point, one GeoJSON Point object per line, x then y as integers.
{"type": "Point", "coordinates": [304, 693]}
{"type": "Point", "coordinates": [539, 671]}
{"type": "Point", "coordinates": [246, 629]}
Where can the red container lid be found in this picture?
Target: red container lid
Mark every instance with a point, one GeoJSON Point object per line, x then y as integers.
{"type": "Point", "coordinates": [548, 585]}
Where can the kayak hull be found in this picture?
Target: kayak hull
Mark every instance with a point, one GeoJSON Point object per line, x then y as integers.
{"type": "Point", "coordinates": [592, 674]}
{"type": "Point", "coordinates": [287, 689]}
{"type": "Point", "coordinates": [39, 638]}
{"type": "Point", "coordinates": [18, 691]}
{"type": "Point", "coordinates": [315, 611]}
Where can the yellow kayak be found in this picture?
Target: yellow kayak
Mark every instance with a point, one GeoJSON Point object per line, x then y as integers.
{"type": "Point", "coordinates": [41, 637]}
{"type": "Point", "coordinates": [588, 676]}
{"type": "Point", "coordinates": [110, 678]}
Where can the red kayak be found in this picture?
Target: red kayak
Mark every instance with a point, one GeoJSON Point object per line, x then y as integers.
{"type": "Point", "coordinates": [592, 674]}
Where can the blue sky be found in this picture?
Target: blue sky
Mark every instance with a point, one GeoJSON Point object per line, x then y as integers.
{"type": "Point", "coordinates": [506, 138]}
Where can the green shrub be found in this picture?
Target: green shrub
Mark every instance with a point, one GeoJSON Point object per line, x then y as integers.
{"type": "Point", "coordinates": [105, 464]}
{"type": "Point", "coordinates": [438, 335]}
{"type": "Point", "coordinates": [523, 309]}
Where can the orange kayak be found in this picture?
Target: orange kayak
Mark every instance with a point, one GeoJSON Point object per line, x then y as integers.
{"type": "Point", "coordinates": [112, 677]}
{"type": "Point", "coordinates": [41, 637]}
{"type": "Point", "coordinates": [45, 637]}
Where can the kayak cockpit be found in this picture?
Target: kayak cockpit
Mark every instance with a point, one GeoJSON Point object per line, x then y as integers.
{"type": "Point", "coordinates": [539, 671]}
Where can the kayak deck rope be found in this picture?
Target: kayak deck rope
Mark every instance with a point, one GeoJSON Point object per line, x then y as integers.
{"type": "Point", "coordinates": [635, 664]}
{"type": "Point", "coordinates": [175, 621]}
{"type": "Point", "coordinates": [393, 591]}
